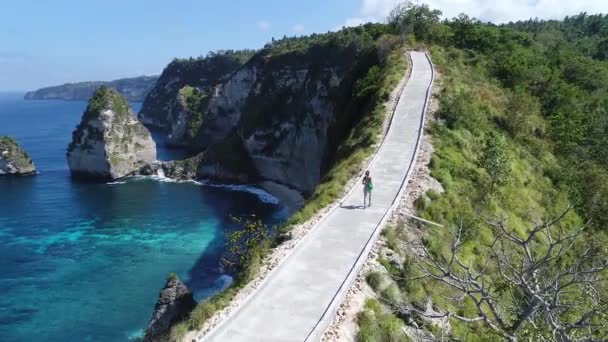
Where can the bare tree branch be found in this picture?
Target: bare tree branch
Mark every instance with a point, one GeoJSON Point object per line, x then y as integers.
{"type": "Point", "coordinates": [553, 282]}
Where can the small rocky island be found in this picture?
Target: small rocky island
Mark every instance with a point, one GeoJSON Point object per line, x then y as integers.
{"type": "Point", "coordinates": [175, 302]}
{"type": "Point", "coordinates": [109, 142]}
{"type": "Point", "coordinates": [13, 159]}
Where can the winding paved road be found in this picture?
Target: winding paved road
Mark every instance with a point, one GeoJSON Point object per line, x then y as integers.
{"type": "Point", "coordinates": [298, 299]}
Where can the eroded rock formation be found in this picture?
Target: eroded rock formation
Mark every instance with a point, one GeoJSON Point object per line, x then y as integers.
{"type": "Point", "coordinates": [109, 142]}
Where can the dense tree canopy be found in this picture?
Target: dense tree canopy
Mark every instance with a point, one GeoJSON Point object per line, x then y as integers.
{"type": "Point", "coordinates": [556, 69]}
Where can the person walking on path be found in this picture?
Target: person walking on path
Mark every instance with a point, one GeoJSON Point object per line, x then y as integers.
{"type": "Point", "coordinates": [367, 189]}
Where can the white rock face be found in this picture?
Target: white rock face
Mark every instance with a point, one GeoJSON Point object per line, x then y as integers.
{"type": "Point", "coordinates": [286, 139]}
{"type": "Point", "coordinates": [178, 124]}
{"type": "Point", "coordinates": [110, 142]}
{"type": "Point", "coordinates": [290, 151]}
{"type": "Point", "coordinates": [225, 106]}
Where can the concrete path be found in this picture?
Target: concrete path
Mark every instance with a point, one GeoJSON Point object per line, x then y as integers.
{"type": "Point", "coordinates": [297, 301]}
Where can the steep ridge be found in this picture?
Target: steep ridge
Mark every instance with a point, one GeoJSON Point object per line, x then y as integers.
{"type": "Point", "coordinates": [296, 301]}
{"type": "Point", "coordinates": [280, 117]}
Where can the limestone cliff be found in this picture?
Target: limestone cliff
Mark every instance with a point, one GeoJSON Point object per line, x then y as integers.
{"type": "Point", "coordinates": [280, 117]}
{"type": "Point", "coordinates": [165, 105]}
{"type": "Point", "coordinates": [109, 142]}
{"type": "Point", "coordinates": [175, 302]}
{"type": "Point", "coordinates": [13, 159]}
{"type": "Point", "coordinates": [187, 115]}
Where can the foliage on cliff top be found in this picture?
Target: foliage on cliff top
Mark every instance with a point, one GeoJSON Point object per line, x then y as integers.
{"type": "Point", "coordinates": [8, 141]}
{"type": "Point", "coordinates": [195, 102]}
{"type": "Point", "coordinates": [14, 151]}
{"type": "Point", "coordinates": [330, 42]}
{"type": "Point", "coordinates": [105, 98]}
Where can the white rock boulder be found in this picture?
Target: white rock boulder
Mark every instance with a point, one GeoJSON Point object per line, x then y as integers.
{"type": "Point", "coordinates": [109, 142]}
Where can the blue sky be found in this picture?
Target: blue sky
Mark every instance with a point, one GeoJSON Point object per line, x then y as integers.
{"type": "Point", "coordinates": [52, 42]}
{"type": "Point", "coordinates": [49, 42]}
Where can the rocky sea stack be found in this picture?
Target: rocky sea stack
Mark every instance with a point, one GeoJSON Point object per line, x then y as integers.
{"type": "Point", "coordinates": [109, 142]}
{"type": "Point", "coordinates": [13, 159]}
{"type": "Point", "coordinates": [175, 302]}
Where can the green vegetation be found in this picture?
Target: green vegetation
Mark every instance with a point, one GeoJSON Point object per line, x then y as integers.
{"type": "Point", "coordinates": [247, 247]}
{"type": "Point", "coordinates": [106, 98]}
{"type": "Point", "coordinates": [374, 279]}
{"type": "Point", "coordinates": [494, 159]}
{"type": "Point", "coordinates": [15, 153]}
{"type": "Point", "coordinates": [247, 244]}
{"type": "Point", "coordinates": [6, 140]}
{"type": "Point", "coordinates": [195, 101]}
{"type": "Point", "coordinates": [102, 99]}
{"type": "Point", "coordinates": [522, 129]}
{"type": "Point", "coordinates": [376, 324]}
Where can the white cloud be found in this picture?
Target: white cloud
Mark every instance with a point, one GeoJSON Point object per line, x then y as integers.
{"type": "Point", "coordinates": [263, 25]}
{"type": "Point", "coordinates": [486, 10]}
{"type": "Point", "coordinates": [299, 28]}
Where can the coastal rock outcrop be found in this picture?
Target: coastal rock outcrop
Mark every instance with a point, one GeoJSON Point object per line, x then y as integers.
{"type": "Point", "coordinates": [175, 302]}
{"type": "Point", "coordinates": [13, 159]}
{"type": "Point", "coordinates": [109, 142]}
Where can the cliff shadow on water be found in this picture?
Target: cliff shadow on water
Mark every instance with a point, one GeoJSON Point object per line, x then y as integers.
{"type": "Point", "coordinates": [207, 276]}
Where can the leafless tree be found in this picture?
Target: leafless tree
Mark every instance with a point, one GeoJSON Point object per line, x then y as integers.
{"type": "Point", "coordinates": [552, 276]}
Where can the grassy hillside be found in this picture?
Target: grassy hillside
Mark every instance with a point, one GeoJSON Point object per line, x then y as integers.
{"type": "Point", "coordinates": [520, 134]}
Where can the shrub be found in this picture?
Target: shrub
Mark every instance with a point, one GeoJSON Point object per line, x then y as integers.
{"type": "Point", "coordinates": [374, 280]}
{"type": "Point", "coordinates": [377, 325]}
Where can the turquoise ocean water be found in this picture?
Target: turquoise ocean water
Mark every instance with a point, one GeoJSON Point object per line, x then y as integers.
{"type": "Point", "coordinates": [84, 261]}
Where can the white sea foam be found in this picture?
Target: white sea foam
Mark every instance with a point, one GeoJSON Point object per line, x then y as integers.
{"type": "Point", "coordinates": [264, 196]}
{"type": "Point", "coordinates": [261, 194]}
{"type": "Point", "coordinates": [224, 281]}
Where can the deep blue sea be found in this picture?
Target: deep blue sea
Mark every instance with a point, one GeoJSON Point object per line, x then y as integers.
{"type": "Point", "coordinates": [85, 261]}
